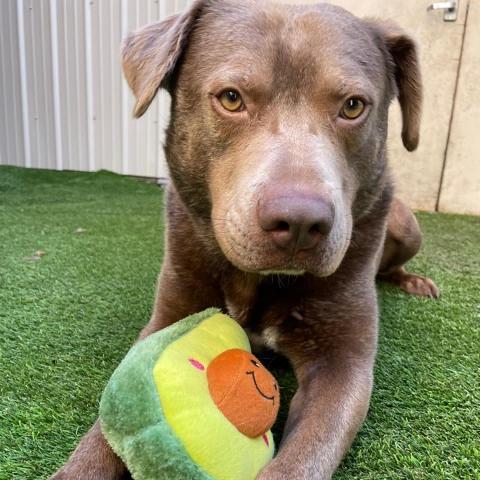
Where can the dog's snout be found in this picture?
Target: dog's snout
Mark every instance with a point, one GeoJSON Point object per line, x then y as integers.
{"type": "Point", "coordinates": [295, 221]}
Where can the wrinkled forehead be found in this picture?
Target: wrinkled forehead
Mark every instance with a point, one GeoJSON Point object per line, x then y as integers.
{"type": "Point", "coordinates": [286, 47]}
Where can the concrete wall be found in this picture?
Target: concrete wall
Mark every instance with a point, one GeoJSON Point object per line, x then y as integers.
{"type": "Point", "coordinates": [460, 189]}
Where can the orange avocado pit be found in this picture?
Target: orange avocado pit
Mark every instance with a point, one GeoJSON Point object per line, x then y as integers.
{"type": "Point", "coordinates": [244, 391]}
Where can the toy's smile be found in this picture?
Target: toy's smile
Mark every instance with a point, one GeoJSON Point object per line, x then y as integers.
{"type": "Point", "coordinates": [252, 373]}
{"type": "Point", "coordinates": [248, 408]}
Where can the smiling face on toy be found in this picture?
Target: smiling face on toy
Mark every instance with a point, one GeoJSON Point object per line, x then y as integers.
{"type": "Point", "coordinates": [216, 398]}
{"type": "Point", "coordinates": [244, 391]}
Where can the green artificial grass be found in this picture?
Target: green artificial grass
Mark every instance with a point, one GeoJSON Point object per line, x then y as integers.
{"type": "Point", "coordinates": [68, 316]}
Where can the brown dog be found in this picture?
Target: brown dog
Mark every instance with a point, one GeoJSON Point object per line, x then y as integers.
{"type": "Point", "coordinates": [276, 149]}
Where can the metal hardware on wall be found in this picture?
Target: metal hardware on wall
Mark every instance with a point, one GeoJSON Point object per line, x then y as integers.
{"type": "Point", "coordinates": [450, 9]}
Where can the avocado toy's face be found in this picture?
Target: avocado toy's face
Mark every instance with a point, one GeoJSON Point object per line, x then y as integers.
{"type": "Point", "coordinates": [217, 399]}
{"type": "Point", "coordinates": [244, 391]}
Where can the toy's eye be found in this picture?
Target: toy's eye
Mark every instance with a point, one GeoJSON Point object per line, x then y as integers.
{"type": "Point", "coordinates": [231, 101]}
{"type": "Point", "coordinates": [275, 387]}
{"type": "Point", "coordinates": [255, 363]}
{"type": "Point", "coordinates": [352, 108]}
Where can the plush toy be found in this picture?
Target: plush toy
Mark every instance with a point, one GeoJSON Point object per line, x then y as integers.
{"type": "Point", "coordinates": [191, 402]}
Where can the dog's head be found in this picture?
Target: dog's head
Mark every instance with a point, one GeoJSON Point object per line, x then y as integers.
{"type": "Point", "coordinates": [279, 121]}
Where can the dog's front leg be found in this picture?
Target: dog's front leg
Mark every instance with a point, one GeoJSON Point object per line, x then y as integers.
{"type": "Point", "coordinates": [329, 407]}
{"type": "Point", "coordinates": [325, 414]}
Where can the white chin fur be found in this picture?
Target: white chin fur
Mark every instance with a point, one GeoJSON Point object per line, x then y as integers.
{"type": "Point", "coordinates": [282, 272]}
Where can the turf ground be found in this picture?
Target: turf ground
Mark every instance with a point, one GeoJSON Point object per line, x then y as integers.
{"type": "Point", "coordinates": [79, 255]}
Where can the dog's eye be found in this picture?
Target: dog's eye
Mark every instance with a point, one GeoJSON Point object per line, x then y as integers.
{"type": "Point", "coordinates": [231, 101]}
{"type": "Point", "coordinates": [352, 108]}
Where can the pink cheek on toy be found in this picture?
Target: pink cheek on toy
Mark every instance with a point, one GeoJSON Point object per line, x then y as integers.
{"type": "Point", "coordinates": [196, 364]}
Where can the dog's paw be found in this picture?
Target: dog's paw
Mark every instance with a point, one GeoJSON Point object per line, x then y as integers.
{"type": "Point", "coordinates": [412, 283]}
{"type": "Point", "coordinates": [277, 469]}
{"type": "Point", "coordinates": [421, 286]}
{"type": "Point", "coordinates": [69, 472]}
{"type": "Point", "coordinates": [61, 475]}
{"type": "Point", "coordinates": [271, 474]}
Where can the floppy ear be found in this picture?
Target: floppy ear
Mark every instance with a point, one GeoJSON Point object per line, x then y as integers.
{"type": "Point", "coordinates": [150, 54]}
{"type": "Point", "coordinates": [405, 69]}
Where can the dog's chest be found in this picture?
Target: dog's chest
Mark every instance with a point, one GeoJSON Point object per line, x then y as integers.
{"type": "Point", "coordinates": [261, 309]}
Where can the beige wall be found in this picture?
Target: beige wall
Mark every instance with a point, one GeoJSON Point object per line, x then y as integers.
{"type": "Point", "coordinates": [460, 190]}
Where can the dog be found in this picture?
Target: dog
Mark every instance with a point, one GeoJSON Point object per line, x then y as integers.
{"type": "Point", "coordinates": [276, 149]}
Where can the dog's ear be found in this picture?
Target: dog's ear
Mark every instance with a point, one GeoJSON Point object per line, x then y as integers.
{"type": "Point", "coordinates": [149, 55]}
{"type": "Point", "coordinates": [405, 71]}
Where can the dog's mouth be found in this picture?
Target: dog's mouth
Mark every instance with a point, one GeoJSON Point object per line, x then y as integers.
{"type": "Point", "coordinates": [265, 261]}
{"type": "Point", "coordinates": [254, 254]}
{"type": "Point", "coordinates": [252, 249]}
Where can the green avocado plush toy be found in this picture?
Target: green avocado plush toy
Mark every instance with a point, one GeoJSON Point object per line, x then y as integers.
{"type": "Point", "coordinates": [191, 402]}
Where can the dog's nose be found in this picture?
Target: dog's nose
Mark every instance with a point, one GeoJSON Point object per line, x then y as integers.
{"type": "Point", "coordinates": [295, 221]}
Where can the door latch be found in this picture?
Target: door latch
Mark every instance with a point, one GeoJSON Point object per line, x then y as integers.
{"type": "Point", "coordinates": [450, 9]}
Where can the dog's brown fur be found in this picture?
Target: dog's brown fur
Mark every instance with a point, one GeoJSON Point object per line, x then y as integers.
{"type": "Point", "coordinates": [289, 62]}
